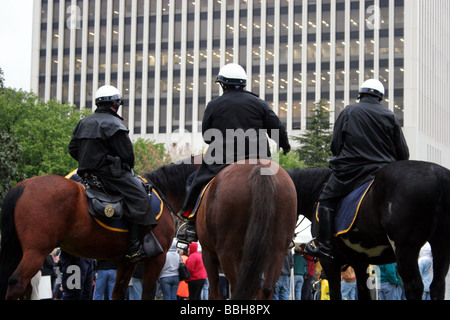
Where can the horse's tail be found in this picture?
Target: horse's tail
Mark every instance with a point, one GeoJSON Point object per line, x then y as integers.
{"type": "Point", "coordinates": [10, 250]}
{"type": "Point", "coordinates": [258, 239]}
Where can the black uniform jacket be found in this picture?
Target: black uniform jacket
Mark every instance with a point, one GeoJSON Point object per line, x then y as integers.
{"type": "Point", "coordinates": [97, 136]}
{"type": "Point", "coordinates": [367, 136]}
{"type": "Point", "coordinates": [238, 116]}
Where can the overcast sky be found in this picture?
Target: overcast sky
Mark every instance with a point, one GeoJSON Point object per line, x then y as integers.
{"type": "Point", "coordinates": [16, 20]}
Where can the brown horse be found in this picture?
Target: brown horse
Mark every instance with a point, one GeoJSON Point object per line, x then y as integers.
{"type": "Point", "coordinates": [245, 224]}
{"type": "Point", "coordinates": [42, 213]}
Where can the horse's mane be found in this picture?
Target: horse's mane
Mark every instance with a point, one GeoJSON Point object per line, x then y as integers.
{"type": "Point", "coordinates": [171, 177]}
{"type": "Point", "coordinates": [309, 184]}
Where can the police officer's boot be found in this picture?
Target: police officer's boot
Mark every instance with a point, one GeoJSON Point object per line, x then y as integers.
{"type": "Point", "coordinates": [135, 251]}
{"type": "Point", "coordinates": [188, 234]}
{"type": "Point", "coordinates": [324, 246]}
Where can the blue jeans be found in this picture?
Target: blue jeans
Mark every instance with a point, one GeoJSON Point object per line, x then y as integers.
{"type": "Point", "coordinates": [348, 290]}
{"type": "Point", "coordinates": [298, 285]}
{"type": "Point", "coordinates": [282, 288]}
{"type": "Point", "coordinates": [105, 284]}
{"type": "Point", "coordinates": [388, 291]}
{"type": "Point", "coordinates": [169, 287]}
{"type": "Point", "coordinates": [135, 290]}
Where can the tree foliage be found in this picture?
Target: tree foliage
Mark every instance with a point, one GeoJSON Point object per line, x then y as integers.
{"type": "Point", "coordinates": [41, 131]}
{"type": "Point", "coordinates": [9, 162]}
{"type": "Point", "coordinates": [290, 161]}
{"type": "Point", "coordinates": [149, 155]}
{"type": "Point", "coordinates": [315, 144]}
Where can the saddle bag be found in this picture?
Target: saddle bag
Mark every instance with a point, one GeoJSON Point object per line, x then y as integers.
{"type": "Point", "coordinates": [102, 205]}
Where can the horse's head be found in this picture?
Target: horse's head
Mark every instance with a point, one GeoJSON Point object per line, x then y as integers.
{"type": "Point", "coordinates": [171, 181]}
{"type": "Point", "coordinates": [309, 184]}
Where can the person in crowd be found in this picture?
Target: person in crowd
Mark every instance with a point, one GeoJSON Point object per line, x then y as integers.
{"type": "Point", "coordinates": [307, 290]}
{"type": "Point", "coordinates": [388, 282]}
{"type": "Point", "coordinates": [348, 283]}
{"type": "Point", "coordinates": [169, 278]}
{"type": "Point", "coordinates": [135, 286]}
{"type": "Point", "coordinates": [300, 271]}
{"type": "Point", "coordinates": [283, 285]}
{"type": "Point", "coordinates": [194, 263]}
{"type": "Point", "coordinates": [183, 288]}
{"type": "Point", "coordinates": [106, 279]}
{"type": "Point", "coordinates": [77, 277]}
{"type": "Point", "coordinates": [426, 269]}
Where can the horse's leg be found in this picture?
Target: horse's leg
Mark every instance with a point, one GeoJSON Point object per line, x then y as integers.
{"type": "Point", "coordinates": [152, 270]}
{"type": "Point", "coordinates": [362, 276]}
{"type": "Point", "coordinates": [30, 264]}
{"type": "Point", "coordinates": [125, 271]}
{"type": "Point", "coordinates": [333, 273]}
{"type": "Point", "coordinates": [441, 261]}
{"type": "Point", "coordinates": [230, 268]}
{"type": "Point", "coordinates": [408, 268]}
{"type": "Point", "coordinates": [211, 263]}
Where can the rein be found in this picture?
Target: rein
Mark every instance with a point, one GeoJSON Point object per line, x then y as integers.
{"type": "Point", "coordinates": [163, 197]}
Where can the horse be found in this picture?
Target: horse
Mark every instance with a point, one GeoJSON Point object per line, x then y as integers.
{"type": "Point", "coordinates": [407, 205]}
{"type": "Point", "coordinates": [245, 223]}
{"type": "Point", "coordinates": [45, 212]}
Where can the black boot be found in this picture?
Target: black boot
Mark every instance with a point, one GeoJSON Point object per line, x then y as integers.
{"type": "Point", "coordinates": [135, 251]}
{"type": "Point", "coordinates": [324, 246]}
{"type": "Point", "coordinates": [188, 234]}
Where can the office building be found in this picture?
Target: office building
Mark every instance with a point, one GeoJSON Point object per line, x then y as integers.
{"type": "Point", "coordinates": [165, 55]}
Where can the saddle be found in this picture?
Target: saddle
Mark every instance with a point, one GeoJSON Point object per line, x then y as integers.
{"type": "Point", "coordinates": [106, 208]}
{"type": "Point", "coordinates": [348, 209]}
{"type": "Point", "coordinates": [101, 203]}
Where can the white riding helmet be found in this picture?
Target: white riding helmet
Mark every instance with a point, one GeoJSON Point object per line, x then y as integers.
{"type": "Point", "coordinates": [108, 93]}
{"type": "Point", "coordinates": [373, 87]}
{"type": "Point", "coordinates": [232, 74]}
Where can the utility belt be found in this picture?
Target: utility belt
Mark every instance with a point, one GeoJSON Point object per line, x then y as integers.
{"type": "Point", "coordinates": [116, 166]}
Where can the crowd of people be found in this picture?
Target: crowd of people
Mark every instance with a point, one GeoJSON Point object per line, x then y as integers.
{"type": "Point", "coordinates": [97, 278]}
{"type": "Point", "coordinates": [301, 270]}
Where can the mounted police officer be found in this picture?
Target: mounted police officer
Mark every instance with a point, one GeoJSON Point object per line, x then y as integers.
{"type": "Point", "coordinates": [367, 136]}
{"type": "Point", "coordinates": [235, 127]}
{"type": "Point", "coordinates": [103, 149]}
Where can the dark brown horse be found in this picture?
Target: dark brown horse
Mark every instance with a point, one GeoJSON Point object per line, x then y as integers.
{"type": "Point", "coordinates": [245, 223]}
{"type": "Point", "coordinates": [407, 205]}
{"type": "Point", "coordinates": [42, 213]}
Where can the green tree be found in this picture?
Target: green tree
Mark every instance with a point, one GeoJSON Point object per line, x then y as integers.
{"type": "Point", "coordinates": [315, 143]}
{"type": "Point", "coordinates": [9, 162]}
{"type": "Point", "coordinates": [2, 79]}
{"type": "Point", "coordinates": [149, 155]}
{"type": "Point", "coordinates": [42, 129]}
{"type": "Point", "coordinates": [290, 161]}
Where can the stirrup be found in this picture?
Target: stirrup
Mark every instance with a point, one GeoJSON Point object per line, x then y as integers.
{"type": "Point", "coordinates": [315, 250]}
{"type": "Point", "coordinates": [137, 256]}
{"type": "Point", "coordinates": [184, 235]}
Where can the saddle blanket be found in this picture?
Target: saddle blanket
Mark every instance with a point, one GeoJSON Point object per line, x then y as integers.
{"type": "Point", "coordinates": [121, 225]}
{"type": "Point", "coordinates": [348, 209]}
{"type": "Point", "coordinates": [199, 200]}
